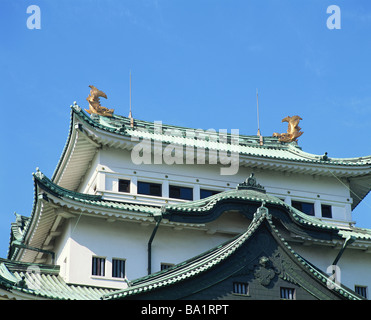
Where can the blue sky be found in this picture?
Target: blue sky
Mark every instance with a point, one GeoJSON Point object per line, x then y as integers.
{"type": "Point", "coordinates": [193, 63]}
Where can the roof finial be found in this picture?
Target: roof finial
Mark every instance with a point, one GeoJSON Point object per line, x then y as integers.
{"type": "Point", "coordinates": [94, 103]}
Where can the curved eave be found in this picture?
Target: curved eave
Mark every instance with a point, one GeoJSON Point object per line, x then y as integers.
{"type": "Point", "coordinates": [53, 203]}
{"type": "Point", "coordinates": [209, 209]}
{"type": "Point", "coordinates": [118, 133]}
{"type": "Point", "coordinates": [76, 157]}
{"type": "Point", "coordinates": [206, 207]}
{"type": "Point", "coordinates": [282, 157]}
{"type": "Point", "coordinates": [360, 188]}
{"type": "Point", "coordinates": [87, 136]}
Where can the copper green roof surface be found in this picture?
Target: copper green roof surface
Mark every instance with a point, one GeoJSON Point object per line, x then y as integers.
{"type": "Point", "coordinates": [208, 260]}
{"type": "Point", "coordinates": [96, 200]}
{"type": "Point", "coordinates": [97, 131]}
{"type": "Point", "coordinates": [43, 282]}
{"type": "Point", "coordinates": [197, 208]}
{"type": "Point", "coordinates": [249, 145]}
{"type": "Point", "coordinates": [205, 205]}
{"type": "Point", "coordinates": [44, 186]}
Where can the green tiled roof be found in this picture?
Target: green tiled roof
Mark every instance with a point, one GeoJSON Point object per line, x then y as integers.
{"type": "Point", "coordinates": [208, 260]}
{"type": "Point", "coordinates": [207, 204]}
{"type": "Point", "coordinates": [247, 145]}
{"type": "Point", "coordinates": [81, 199]}
{"type": "Point", "coordinates": [43, 281]}
{"type": "Point", "coordinates": [96, 200]}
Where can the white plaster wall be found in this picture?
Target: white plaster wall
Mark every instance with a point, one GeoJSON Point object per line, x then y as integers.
{"type": "Point", "coordinates": [128, 240]}
{"type": "Point", "coordinates": [113, 164]}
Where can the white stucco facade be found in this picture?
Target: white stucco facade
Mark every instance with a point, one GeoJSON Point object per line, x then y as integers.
{"type": "Point", "coordinates": [85, 237]}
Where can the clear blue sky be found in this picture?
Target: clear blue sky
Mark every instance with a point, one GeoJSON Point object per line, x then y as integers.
{"type": "Point", "coordinates": [194, 63]}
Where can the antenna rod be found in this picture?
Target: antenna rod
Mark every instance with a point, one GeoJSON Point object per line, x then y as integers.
{"type": "Point", "coordinates": [130, 115]}
{"type": "Point", "coordinates": [257, 109]}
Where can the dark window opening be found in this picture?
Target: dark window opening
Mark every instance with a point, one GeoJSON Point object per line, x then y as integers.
{"type": "Point", "coordinates": [124, 185]}
{"type": "Point", "coordinates": [118, 268]}
{"type": "Point", "coordinates": [240, 288]}
{"type": "Point", "coordinates": [362, 291]}
{"type": "Point", "coordinates": [287, 293]}
{"type": "Point", "coordinates": [204, 193]}
{"type": "Point", "coordinates": [166, 265]}
{"type": "Point", "coordinates": [181, 192]}
{"type": "Point", "coordinates": [151, 189]}
{"type": "Point", "coordinates": [326, 211]}
{"type": "Point", "coordinates": [305, 207]}
{"type": "Point", "coordinates": [98, 266]}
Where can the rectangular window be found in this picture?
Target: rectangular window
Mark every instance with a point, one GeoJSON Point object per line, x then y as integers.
{"type": "Point", "coordinates": [166, 265]}
{"type": "Point", "coordinates": [326, 211]}
{"type": "Point", "coordinates": [98, 266]}
{"type": "Point", "coordinates": [118, 268]}
{"type": "Point", "coordinates": [305, 207]}
{"type": "Point", "coordinates": [287, 293]}
{"type": "Point", "coordinates": [204, 193]}
{"type": "Point", "coordinates": [151, 189]}
{"type": "Point", "coordinates": [124, 185]}
{"type": "Point", "coordinates": [361, 290]}
{"type": "Point", "coordinates": [180, 192]}
{"type": "Point", "coordinates": [240, 287]}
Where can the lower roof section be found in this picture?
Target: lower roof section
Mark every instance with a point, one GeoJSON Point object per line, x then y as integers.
{"type": "Point", "coordinates": [259, 256]}
{"type": "Point", "coordinates": [29, 281]}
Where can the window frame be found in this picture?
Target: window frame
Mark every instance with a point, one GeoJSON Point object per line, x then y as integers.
{"type": "Point", "coordinates": [328, 206]}
{"type": "Point", "coordinates": [180, 192]}
{"type": "Point", "coordinates": [98, 266]}
{"type": "Point", "coordinates": [166, 265]}
{"type": "Point", "coordinates": [128, 185]}
{"type": "Point", "coordinates": [287, 292]}
{"type": "Point", "coordinates": [357, 286]}
{"type": "Point", "coordinates": [294, 202]}
{"type": "Point", "coordinates": [150, 184]}
{"type": "Point", "coordinates": [240, 288]}
{"type": "Point", "coordinates": [114, 272]}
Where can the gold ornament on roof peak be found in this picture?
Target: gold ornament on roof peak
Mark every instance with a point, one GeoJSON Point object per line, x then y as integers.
{"type": "Point", "coordinates": [94, 103]}
{"type": "Point", "coordinates": [293, 130]}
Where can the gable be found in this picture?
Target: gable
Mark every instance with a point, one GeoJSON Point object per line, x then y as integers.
{"type": "Point", "coordinates": [259, 257]}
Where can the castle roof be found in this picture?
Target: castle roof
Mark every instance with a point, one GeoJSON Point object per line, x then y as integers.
{"type": "Point", "coordinates": [244, 253]}
{"type": "Point", "coordinates": [53, 203]}
{"type": "Point", "coordinates": [20, 280]}
{"type": "Point", "coordinates": [89, 134]}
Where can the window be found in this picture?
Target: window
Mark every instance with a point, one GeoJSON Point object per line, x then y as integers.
{"type": "Point", "coordinates": [152, 189]}
{"type": "Point", "coordinates": [361, 290]}
{"type": "Point", "coordinates": [180, 192]}
{"type": "Point", "coordinates": [118, 268]}
{"type": "Point", "coordinates": [287, 293]}
{"type": "Point", "coordinates": [204, 193]}
{"type": "Point", "coordinates": [98, 266]}
{"type": "Point", "coordinates": [326, 211]}
{"type": "Point", "coordinates": [124, 185]}
{"type": "Point", "coordinates": [166, 265]}
{"type": "Point", "coordinates": [240, 288]}
{"type": "Point", "coordinates": [307, 208]}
